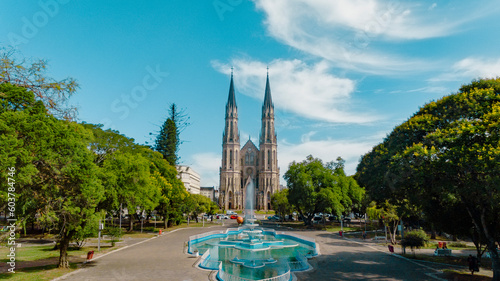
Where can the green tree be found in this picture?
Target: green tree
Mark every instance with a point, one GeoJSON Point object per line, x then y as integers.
{"type": "Point", "coordinates": [127, 171]}
{"type": "Point", "coordinates": [448, 152]}
{"type": "Point", "coordinates": [128, 176]}
{"type": "Point", "coordinates": [388, 214]}
{"type": "Point", "coordinates": [56, 177]}
{"type": "Point", "coordinates": [280, 204]}
{"type": "Point", "coordinates": [414, 239]}
{"type": "Point", "coordinates": [316, 187]}
{"type": "Point", "coordinates": [198, 204]}
{"type": "Point", "coordinates": [173, 194]}
{"type": "Point", "coordinates": [32, 76]}
{"type": "Point", "coordinates": [168, 140]}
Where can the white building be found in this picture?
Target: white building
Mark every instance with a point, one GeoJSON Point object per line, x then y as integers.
{"type": "Point", "coordinates": [208, 191]}
{"type": "Point", "coordinates": [190, 178]}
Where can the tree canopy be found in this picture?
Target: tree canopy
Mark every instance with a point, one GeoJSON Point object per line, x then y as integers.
{"type": "Point", "coordinates": [70, 175]}
{"type": "Point", "coordinates": [32, 76]}
{"type": "Point", "coordinates": [316, 187]}
{"type": "Point", "coordinates": [447, 154]}
{"type": "Point", "coordinates": [168, 140]}
{"type": "Point", "coordinates": [56, 176]}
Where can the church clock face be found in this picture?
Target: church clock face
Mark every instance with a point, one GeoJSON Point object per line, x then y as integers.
{"type": "Point", "coordinates": [249, 171]}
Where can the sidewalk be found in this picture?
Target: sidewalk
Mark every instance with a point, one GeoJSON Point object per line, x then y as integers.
{"type": "Point", "coordinates": [382, 246]}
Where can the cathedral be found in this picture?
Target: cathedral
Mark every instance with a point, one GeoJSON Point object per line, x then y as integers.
{"type": "Point", "coordinates": [242, 165]}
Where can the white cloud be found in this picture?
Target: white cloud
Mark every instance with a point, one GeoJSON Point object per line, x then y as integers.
{"type": "Point", "coordinates": [327, 150]}
{"type": "Point", "coordinates": [472, 68]}
{"type": "Point", "coordinates": [207, 165]}
{"type": "Point", "coordinates": [307, 90]}
{"type": "Point", "coordinates": [478, 68]}
{"type": "Point", "coordinates": [350, 32]}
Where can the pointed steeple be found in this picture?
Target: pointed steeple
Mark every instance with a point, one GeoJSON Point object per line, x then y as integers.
{"type": "Point", "coordinates": [268, 102]}
{"type": "Point", "coordinates": [231, 100]}
{"type": "Point", "coordinates": [267, 134]}
{"type": "Point", "coordinates": [231, 133]}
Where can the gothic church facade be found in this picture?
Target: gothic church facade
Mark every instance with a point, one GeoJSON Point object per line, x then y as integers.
{"type": "Point", "coordinates": [242, 165]}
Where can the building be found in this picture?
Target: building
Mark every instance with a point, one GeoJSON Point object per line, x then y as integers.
{"type": "Point", "coordinates": [190, 178]}
{"type": "Point", "coordinates": [242, 165]}
{"type": "Point", "coordinates": [208, 191]}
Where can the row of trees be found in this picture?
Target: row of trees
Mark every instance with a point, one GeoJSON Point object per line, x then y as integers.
{"type": "Point", "coordinates": [69, 175]}
{"type": "Point", "coordinates": [317, 187]}
{"type": "Point", "coordinates": [443, 165]}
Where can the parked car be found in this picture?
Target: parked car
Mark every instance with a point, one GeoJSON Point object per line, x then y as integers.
{"type": "Point", "coordinates": [222, 216]}
{"type": "Point", "coordinates": [274, 218]}
{"type": "Point", "coordinates": [233, 217]}
{"type": "Point", "coordinates": [317, 219]}
{"type": "Point", "coordinates": [333, 218]}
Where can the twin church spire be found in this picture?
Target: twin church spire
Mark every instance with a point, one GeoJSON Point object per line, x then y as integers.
{"type": "Point", "coordinates": [242, 165]}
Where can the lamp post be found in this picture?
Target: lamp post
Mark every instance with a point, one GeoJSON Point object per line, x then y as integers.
{"type": "Point", "coordinates": [121, 210]}
{"type": "Point", "coordinates": [101, 227]}
{"type": "Point", "coordinates": [365, 222]}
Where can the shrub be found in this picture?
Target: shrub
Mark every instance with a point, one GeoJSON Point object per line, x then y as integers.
{"type": "Point", "coordinates": [414, 239]}
{"type": "Point", "coordinates": [457, 245]}
{"type": "Point", "coordinates": [88, 231]}
{"type": "Point", "coordinates": [115, 233]}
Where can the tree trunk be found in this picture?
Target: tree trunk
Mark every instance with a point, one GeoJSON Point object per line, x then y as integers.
{"type": "Point", "coordinates": [433, 232]}
{"type": "Point", "coordinates": [165, 222]}
{"type": "Point", "coordinates": [393, 233]}
{"type": "Point", "coordinates": [131, 221]}
{"type": "Point", "coordinates": [495, 261]}
{"type": "Point", "coordinates": [63, 249]}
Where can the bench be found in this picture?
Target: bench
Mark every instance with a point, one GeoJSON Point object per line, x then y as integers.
{"type": "Point", "coordinates": [442, 252]}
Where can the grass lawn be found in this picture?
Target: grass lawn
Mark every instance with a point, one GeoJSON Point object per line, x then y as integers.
{"type": "Point", "coordinates": [33, 253]}
{"type": "Point", "coordinates": [455, 260]}
{"type": "Point", "coordinates": [40, 262]}
{"type": "Point", "coordinates": [464, 276]}
{"type": "Point", "coordinates": [39, 273]}
{"type": "Point", "coordinates": [336, 228]}
{"type": "Point", "coordinates": [270, 213]}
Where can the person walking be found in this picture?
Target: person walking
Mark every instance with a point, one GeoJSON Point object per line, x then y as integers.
{"type": "Point", "coordinates": [473, 264]}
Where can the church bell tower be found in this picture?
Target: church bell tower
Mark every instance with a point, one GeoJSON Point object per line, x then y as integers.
{"type": "Point", "coordinates": [230, 195]}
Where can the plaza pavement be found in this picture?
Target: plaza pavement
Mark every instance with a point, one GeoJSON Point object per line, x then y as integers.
{"type": "Point", "coordinates": [164, 258]}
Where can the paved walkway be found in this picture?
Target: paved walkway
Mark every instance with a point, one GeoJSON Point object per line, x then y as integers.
{"type": "Point", "coordinates": [163, 258]}
{"type": "Point", "coordinates": [356, 259]}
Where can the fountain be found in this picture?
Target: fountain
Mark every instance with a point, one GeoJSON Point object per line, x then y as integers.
{"type": "Point", "coordinates": [251, 252]}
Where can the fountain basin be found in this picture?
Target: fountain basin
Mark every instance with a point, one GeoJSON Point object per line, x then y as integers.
{"type": "Point", "coordinates": [243, 254]}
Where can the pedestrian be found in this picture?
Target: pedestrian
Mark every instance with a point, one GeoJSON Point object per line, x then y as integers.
{"type": "Point", "coordinates": [364, 235]}
{"type": "Point", "coordinates": [473, 264]}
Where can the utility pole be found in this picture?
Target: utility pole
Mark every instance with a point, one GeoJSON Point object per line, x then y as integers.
{"type": "Point", "coordinates": [101, 227]}
{"type": "Point", "coordinates": [402, 236]}
{"type": "Point", "coordinates": [121, 215]}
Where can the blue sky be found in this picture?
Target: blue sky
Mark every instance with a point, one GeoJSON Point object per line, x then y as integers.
{"type": "Point", "coordinates": [343, 73]}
